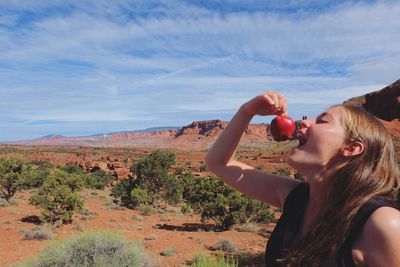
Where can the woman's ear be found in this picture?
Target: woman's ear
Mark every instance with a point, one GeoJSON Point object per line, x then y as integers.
{"type": "Point", "coordinates": [353, 149]}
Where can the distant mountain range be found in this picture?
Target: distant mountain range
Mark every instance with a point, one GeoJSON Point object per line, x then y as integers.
{"type": "Point", "coordinates": [199, 134]}
{"type": "Point", "coordinates": [385, 104]}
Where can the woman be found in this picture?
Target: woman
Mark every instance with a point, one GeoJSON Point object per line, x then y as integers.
{"type": "Point", "coordinates": [344, 214]}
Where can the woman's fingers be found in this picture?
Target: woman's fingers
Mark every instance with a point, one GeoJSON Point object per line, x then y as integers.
{"type": "Point", "coordinates": [268, 103]}
{"type": "Point", "coordinates": [277, 101]}
{"type": "Point", "coordinates": [269, 99]}
{"type": "Point", "coordinates": [282, 103]}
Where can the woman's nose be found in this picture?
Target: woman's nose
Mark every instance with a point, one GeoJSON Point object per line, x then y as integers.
{"type": "Point", "coordinates": [305, 122]}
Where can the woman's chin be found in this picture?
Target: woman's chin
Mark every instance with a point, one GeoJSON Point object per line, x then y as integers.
{"type": "Point", "coordinates": [295, 160]}
{"type": "Point", "coordinates": [291, 159]}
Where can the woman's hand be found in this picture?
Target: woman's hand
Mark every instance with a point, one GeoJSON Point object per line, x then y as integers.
{"type": "Point", "coordinates": [268, 103]}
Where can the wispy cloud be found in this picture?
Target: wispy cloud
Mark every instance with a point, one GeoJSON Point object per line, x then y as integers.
{"type": "Point", "coordinates": [136, 64]}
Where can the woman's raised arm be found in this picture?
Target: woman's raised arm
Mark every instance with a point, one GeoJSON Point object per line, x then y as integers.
{"type": "Point", "coordinates": [269, 188]}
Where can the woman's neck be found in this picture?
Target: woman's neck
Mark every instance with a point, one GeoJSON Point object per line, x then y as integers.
{"type": "Point", "coordinates": [318, 193]}
{"type": "Point", "coordinates": [319, 186]}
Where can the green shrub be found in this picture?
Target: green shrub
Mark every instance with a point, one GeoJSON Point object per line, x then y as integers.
{"type": "Point", "coordinates": [57, 198]}
{"type": "Point", "coordinates": [173, 190]}
{"type": "Point", "coordinates": [98, 179]}
{"type": "Point", "coordinates": [137, 218]}
{"type": "Point", "coordinates": [13, 172]}
{"type": "Point", "coordinates": [94, 249]}
{"type": "Point", "coordinates": [206, 260]}
{"type": "Point", "coordinates": [188, 180]}
{"type": "Point", "coordinates": [225, 245]}
{"type": "Point", "coordinates": [140, 196]}
{"type": "Point", "coordinates": [168, 252]}
{"type": "Point", "coordinates": [37, 234]}
{"type": "Point", "coordinates": [13, 201]}
{"type": "Point", "coordinates": [249, 228]}
{"type": "Point", "coordinates": [150, 173]}
{"type": "Point", "coordinates": [258, 211]}
{"type": "Point", "coordinates": [203, 167]}
{"type": "Point", "coordinates": [214, 200]}
{"type": "Point", "coordinates": [146, 210]}
{"type": "Point", "coordinates": [186, 209]}
{"type": "Point", "coordinates": [38, 173]}
{"type": "Point", "coordinates": [4, 203]}
{"type": "Point", "coordinates": [122, 191]}
{"type": "Point", "coordinates": [73, 169]}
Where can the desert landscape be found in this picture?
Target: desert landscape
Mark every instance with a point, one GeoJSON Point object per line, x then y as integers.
{"type": "Point", "coordinates": [168, 233]}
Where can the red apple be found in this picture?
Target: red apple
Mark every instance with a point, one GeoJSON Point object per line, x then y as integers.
{"type": "Point", "coordinates": [283, 128]}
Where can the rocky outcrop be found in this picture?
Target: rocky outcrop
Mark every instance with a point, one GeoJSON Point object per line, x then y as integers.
{"type": "Point", "coordinates": [384, 104]}
{"type": "Point", "coordinates": [205, 128]}
{"type": "Point", "coordinates": [212, 128]}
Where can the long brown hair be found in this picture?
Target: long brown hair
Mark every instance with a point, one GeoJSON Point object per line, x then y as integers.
{"type": "Point", "coordinates": [372, 173]}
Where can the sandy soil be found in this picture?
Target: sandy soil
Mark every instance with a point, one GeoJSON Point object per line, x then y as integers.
{"type": "Point", "coordinates": [168, 228]}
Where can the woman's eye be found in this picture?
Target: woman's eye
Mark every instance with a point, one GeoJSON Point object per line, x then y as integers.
{"type": "Point", "coordinates": [321, 121]}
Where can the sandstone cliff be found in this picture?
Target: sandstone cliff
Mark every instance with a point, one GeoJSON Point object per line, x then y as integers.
{"type": "Point", "coordinates": [384, 104]}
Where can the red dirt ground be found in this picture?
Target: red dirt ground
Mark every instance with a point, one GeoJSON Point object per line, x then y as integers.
{"type": "Point", "coordinates": [165, 229]}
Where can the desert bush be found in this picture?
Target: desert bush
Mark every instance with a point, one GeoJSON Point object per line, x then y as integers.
{"type": "Point", "coordinates": [258, 211]}
{"type": "Point", "coordinates": [189, 181]}
{"type": "Point", "coordinates": [137, 218]}
{"type": "Point", "coordinates": [146, 210]}
{"type": "Point", "coordinates": [203, 167]}
{"type": "Point", "coordinates": [13, 172]}
{"type": "Point", "coordinates": [206, 260]}
{"type": "Point", "coordinates": [122, 191]}
{"type": "Point", "coordinates": [87, 214]}
{"type": "Point", "coordinates": [140, 196]}
{"type": "Point", "coordinates": [214, 200]}
{"type": "Point", "coordinates": [4, 203]}
{"type": "Point", "coordinates": [94, 249]}
{"type": "Point", "coordinates": [38, 173]}
{"type": "Point", "coordinates": [150, 173]}
{"type": "Point", "coordinates": [13, 201]}
{"type": "Point", "coordinates": [249, 227]}
{"type": "Point", "coordinates": [98, 179]}
{"type": "Point", "coordinates": [57, 197]}
{"type": "Point", "coordinates": [73, 169]}
{"type": "Point", "coordinates": [225, 245]}
{"type": "Point", "coordinates": [37, 234]}
{"type": "Point", "coordinates": [173, 190]}
{"type": "Point", "coordinates": [186, 209]}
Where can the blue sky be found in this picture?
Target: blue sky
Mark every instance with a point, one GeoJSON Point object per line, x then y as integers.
{"type": "Point", "coordinates": [88, 67]}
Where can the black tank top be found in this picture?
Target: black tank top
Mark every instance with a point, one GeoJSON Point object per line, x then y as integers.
{"type": "Point", "coordinates": [292, 216]}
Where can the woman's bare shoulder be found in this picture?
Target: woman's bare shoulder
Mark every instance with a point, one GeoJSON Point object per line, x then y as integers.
{"type": "Point", "coordinates": [384, 220]}
{"type": "Point", "coordinates": [379, 240]}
